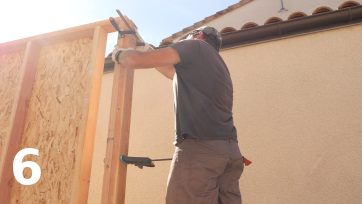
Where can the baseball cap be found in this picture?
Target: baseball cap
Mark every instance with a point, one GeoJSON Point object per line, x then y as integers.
{"type": "Point", "coordinates": [211, 32]}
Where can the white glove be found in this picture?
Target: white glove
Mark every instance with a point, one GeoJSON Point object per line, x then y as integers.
{"type": "Point", "coordinates": [116, 49]}
{"type": "Point", "coordinates": [143, 48]}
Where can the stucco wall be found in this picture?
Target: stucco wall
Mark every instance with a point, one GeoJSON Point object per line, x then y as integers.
{"type": "Point", "coordinates": [297, 108]}
{"type": "Point", "coordinates": [298, 111]}
{"type": "Point", "coordinates": [259, 11]}
{"type": "Point", "coordinates": [152, 135]}
{"type": "Point", "coordinates": [96, 182]}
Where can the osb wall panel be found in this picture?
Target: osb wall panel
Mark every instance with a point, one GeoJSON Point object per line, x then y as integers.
{"type": "Point", "coordinates": [55, 121]}
{"type": "Point", "coordinates": [9, 77]}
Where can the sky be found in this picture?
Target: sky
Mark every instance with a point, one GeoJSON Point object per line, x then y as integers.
{"type": "Point", "coordinates": [155, 19]}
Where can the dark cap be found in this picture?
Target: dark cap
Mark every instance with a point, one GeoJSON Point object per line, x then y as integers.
{"type": "Point", "coordinates": [212, 33]}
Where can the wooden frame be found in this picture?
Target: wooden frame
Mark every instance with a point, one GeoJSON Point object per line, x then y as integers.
{"type": "Point", "coordinates": [32, 46]}
{"type": "Point", "coordinates": [114, 180]}
{"type": "Point", "coordinates": [18, 118]}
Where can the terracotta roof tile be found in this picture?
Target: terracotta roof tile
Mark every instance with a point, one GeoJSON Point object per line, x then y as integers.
{"type": "Point", "coordinates": [207, 19]}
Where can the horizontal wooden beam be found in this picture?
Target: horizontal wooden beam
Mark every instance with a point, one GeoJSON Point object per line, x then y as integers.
{"type": "Point", "coordinates": [65, 35]}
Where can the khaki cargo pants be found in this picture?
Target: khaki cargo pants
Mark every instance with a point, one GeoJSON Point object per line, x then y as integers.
{"type": "Point", "coordinates": [205, 172]}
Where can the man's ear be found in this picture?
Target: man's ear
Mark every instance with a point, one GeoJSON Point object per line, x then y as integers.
{"type": "Point", "coordinates": [200, 36]}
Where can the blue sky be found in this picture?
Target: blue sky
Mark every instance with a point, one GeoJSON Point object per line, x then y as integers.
{"type": "Point", "coordinates": [155, 19]}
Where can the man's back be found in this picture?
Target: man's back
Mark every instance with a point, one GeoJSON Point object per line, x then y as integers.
{"type": "Point", "coordinates": [203, 93]}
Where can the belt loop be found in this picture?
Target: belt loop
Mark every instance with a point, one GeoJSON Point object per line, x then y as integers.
{"type": "Point", "coordinates": [230, 141]}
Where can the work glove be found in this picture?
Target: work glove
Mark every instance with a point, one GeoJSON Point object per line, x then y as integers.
{"type": "Point", "coordinates": [117, 50]}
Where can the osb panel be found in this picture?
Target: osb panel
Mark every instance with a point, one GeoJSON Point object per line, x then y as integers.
{"type": "Point", "coordinates": [9, 77]}
{"type": "Point", "coordinates": [55, 121]}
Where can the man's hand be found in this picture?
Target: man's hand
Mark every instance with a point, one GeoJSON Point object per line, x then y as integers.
{"type": "Point", "coordinates": [117, 51]}
{"type": "Point", "coordinates": [161, 59]}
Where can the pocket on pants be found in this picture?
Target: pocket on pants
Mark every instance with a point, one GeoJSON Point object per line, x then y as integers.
{"type": "Point", "coordinates": [233, 184]}
{"type": "Point", "coordinates": [204, 171]}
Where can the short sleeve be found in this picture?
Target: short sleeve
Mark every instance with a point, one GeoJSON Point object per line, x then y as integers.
{"type": "Point", "coordinates": [188, 50]}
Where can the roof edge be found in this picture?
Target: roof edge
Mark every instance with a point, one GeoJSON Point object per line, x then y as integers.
{"type": "Point", "coordinates": [207, 19]}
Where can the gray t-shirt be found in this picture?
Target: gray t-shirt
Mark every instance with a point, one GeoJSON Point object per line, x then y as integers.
{"type": "Point", "coordinates": [203, 93]}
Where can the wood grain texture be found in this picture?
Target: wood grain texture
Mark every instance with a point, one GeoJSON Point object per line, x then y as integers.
{"type": "Point", "coordinates": [114, 180]}
{"type": "Point", "coordinates": [17, 118]}
{"type": "Point", "coordinates": [56, 121]}
{"type": "Point", "coordinates": [9, 78]}
{"type": "Point", "coordinates": [10, 66]}
{"type": "Point", "coordinates": [86, 142]}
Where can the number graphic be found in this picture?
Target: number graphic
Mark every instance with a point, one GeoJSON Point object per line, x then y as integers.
{"type": "Point", "coordinates": [18, 167]}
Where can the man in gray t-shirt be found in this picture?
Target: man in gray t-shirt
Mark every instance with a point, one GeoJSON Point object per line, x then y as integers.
{"type": "Point", "coordinates": [207, 163]}
{"type": "Point", "coordinates": [203, 93]}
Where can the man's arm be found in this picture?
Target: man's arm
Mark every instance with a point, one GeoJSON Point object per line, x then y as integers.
{"type": "Point", "coordinates": [160, 58]}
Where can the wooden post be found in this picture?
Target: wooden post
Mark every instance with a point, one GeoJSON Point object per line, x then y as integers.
{"type": "Point", "coordinates": [18, 117]}
{"type": "Point", "coordinates": [86, 144]}
{"type": "Point", "coordinates": [114, 180]}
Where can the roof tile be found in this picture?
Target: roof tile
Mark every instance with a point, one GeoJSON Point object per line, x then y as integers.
{"type": "Point", "coordinates": [207, 19]}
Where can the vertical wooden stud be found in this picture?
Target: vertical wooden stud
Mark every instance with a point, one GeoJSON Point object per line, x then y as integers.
{"type": "Point", "coordinates": [18, 117]}
{"type": "Point", "coordinates": [86, 143]}
{"type": "Point", "coordinates": [114, 181]}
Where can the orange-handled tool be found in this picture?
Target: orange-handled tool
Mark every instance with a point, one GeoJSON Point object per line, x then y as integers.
{"type": "Point", "coordinates": [114, 23]}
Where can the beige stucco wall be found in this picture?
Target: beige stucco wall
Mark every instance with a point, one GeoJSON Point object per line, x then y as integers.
{"type": "Point", "coordinates": [298, 111]}
{"type": "Point", "coordinates": [297, 108]}
{"type": "Point", "coordinates": [95, 189]}
{"type": "Point", "coordinates": [259, 11]}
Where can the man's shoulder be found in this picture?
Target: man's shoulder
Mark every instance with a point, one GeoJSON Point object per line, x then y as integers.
{"type": "Point", "coordinates": [186, 45]}
{"type": "Point", "coordinates": [186, 41]}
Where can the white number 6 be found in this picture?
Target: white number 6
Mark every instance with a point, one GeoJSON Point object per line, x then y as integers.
{"type": "Point", "coordinates": [18, 167]}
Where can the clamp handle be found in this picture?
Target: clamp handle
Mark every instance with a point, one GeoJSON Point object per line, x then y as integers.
{"type": "Point", "coordinates": [114, 23]}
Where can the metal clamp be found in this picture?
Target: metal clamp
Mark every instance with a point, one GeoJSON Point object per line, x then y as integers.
{"type": "Point", "coordinates": [140, 44]}
{"type": "Point", "coordinates": [123, 33]}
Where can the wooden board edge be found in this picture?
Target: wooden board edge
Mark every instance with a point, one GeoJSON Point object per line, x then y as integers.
{"type": "Point", "coordinates": [113, 128]}
{"type": "Point", "coordinates": [18, 118]}
{"type": "Point", "coordinates": [59, 36]}
{"type": "Point", "coordinates": [125, 133]}
{"type": "Point", "coordinates": [81, 181]}
{"type": "Point", "coordinates": [114, 182]}
{"type": "Point", "coordinates": [121, 174]}
{"type": "Point", "coordinates": [112, 131]}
